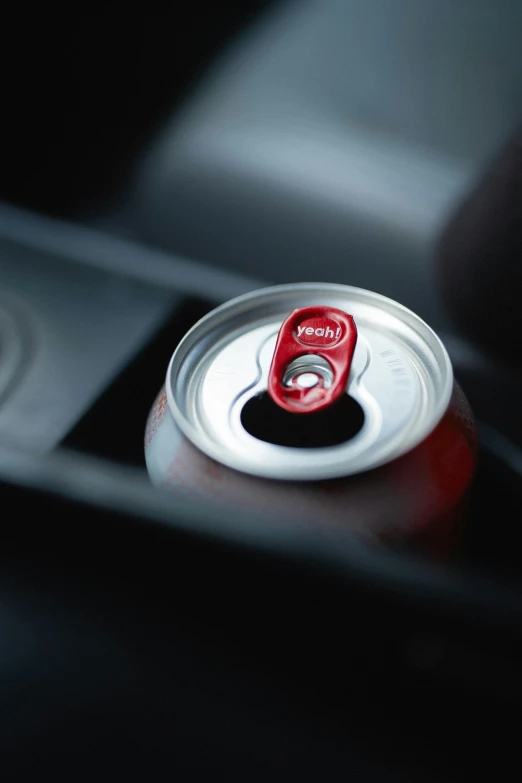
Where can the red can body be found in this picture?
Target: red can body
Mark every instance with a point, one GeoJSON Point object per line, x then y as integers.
{"type": "Point", "coordinates": [418, 498]}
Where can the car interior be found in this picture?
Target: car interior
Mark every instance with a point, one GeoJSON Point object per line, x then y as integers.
{"type": "Point", "coordinates": [154, 166]}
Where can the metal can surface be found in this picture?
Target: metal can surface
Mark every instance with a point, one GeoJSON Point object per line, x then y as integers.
{"type": "Point", "coordinates": [389, 459]}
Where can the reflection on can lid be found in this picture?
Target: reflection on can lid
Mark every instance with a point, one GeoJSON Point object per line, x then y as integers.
{"type": "Point", "coordinates": [400, 375]}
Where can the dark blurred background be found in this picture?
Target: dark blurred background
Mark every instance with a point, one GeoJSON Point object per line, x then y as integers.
{"type": "Point", "coordinates": [260, 136]}
{"type": "Point", "coordinates": [83, 94]}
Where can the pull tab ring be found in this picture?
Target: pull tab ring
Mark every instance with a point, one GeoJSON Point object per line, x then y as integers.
{"type": "Point", "coordinates": [312, 359]}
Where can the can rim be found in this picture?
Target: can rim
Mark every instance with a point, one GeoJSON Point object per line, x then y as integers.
{"type": "Point", "coordinates": [240, 306]}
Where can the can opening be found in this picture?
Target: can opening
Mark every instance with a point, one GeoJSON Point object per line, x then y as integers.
{"type": "Point", "coordinates": [266, 421]}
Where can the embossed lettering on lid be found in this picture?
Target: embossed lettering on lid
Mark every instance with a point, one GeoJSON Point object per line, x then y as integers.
{"type": "Point", "coordinates": [318, 331]}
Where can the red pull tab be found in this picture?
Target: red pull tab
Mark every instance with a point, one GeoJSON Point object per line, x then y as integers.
{"type": "Point", "coordinates": [312, 359]}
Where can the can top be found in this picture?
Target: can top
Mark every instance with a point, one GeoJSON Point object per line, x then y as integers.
{"type": "Point", "coordinates": [400, 375]}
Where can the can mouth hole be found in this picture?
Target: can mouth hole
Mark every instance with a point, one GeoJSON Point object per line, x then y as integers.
{"type": "Point", "coordinates": [266, 421]}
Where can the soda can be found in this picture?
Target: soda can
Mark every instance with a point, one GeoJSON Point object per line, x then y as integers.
{"type": "Point", "coordinates": [322, 403]}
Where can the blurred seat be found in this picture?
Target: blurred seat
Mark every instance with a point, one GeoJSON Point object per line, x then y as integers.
{"type": "Point", "coordinates": [332, 140]}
